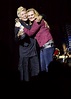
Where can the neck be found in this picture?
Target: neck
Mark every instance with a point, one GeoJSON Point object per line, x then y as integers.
{"type": "Point", "coordinates": [27, 22]}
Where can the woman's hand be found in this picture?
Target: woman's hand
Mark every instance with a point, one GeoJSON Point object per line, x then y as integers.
{"type": "Point", "coordinates": [18, 24]}
{"type": "Point", "coordinates": [16, 20]}
{"type": "Point", "coordinates": [38, 18]}
{"type": "Point", "coordinates": [46, 24]}
{"type": "Point", "coordinates": [20, 33]}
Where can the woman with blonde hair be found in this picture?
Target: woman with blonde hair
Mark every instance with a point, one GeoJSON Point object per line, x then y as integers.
{"type": "Point", "coordinates": [28, 56]}
{"type": "Point", "coordinates": [40, 29]}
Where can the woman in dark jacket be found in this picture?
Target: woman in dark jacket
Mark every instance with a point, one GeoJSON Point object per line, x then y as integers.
{"type": "Point", "coordinates": [28, 56]}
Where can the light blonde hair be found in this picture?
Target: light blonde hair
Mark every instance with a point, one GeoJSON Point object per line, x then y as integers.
{"type": "Point", "coordinates": [19, 10]}
{"type": "Point", "coordinates": [35, 12]}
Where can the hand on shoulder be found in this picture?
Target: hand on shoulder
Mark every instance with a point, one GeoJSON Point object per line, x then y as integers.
{"type": "Point", "coordinates": [38, 18]}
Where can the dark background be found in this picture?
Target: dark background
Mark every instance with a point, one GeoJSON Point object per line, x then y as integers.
{"type": "Point", "coordinates": [58, 13]}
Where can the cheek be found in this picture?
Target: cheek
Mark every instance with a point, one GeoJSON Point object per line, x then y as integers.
{"type": "Point", "coordinates": [33, 16]}
{"type": "Point", "coordinates": [24, 15]}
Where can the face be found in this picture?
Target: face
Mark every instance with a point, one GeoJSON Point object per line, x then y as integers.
{"type": "Point", "coordinates": [31, 15]}
{"type": "Point", "coordinates": [23, 15]}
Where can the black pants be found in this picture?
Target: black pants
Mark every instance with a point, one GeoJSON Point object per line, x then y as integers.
{"type": "Point", "coordinates": [28, 67]}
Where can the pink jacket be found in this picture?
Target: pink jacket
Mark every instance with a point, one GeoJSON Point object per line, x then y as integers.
{"type": "Point", "coordinates": [42, 33]}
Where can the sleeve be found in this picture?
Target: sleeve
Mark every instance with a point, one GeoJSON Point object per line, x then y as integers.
{"type": "Point", "coordinates": [35, 27]}
{"type": "Point", "coordinates": [16, 31]}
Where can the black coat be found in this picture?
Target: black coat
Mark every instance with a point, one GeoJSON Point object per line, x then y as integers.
{"type": "Point", "coordinates": [27, 45]}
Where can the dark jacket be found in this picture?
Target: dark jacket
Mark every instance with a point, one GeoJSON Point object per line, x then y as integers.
{"type": "Point", "coordinates": [27, 45]}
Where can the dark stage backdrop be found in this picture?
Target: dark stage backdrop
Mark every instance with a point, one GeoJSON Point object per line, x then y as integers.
{"type": "Point", "coordinates": [57, 14]}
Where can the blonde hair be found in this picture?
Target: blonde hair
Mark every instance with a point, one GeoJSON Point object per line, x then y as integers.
{"type": "Point", "coordinates": [19, 10]}
{"type": "Point", "coordinates": [35, 12]}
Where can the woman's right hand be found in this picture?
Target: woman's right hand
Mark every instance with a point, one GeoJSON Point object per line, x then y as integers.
{"type": "Point", "coordinates": [38, 18]}
{"type": "Point", "coordinates": [16, 20]}
{"type": "Point", "coordinates": [18, 24]}
{"type": "Point", "coordinates": [20, 33]}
